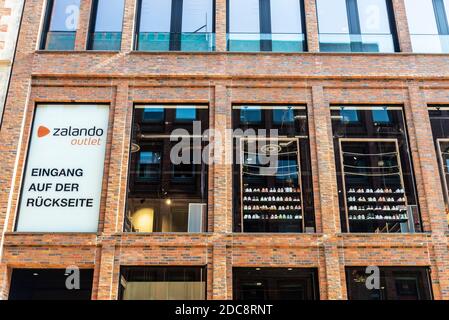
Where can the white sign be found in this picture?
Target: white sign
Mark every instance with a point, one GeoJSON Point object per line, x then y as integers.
{"type": "Point", "coordinates": [61, 190]}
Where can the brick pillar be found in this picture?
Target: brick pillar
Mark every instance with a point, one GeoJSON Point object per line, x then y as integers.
{"type": "Point", "coordinates": [220, 25]}
{"type": "Point", "coordinates": [222, 192]}
{"type": "Point", "coordinates": [222, 180]}
{"type": "Point", "coordinates": [428, 164]}
{"type": "Point", "coordinates": [128, 26]}
{"type": "Point", "coordinates": [4, 281]}
{"type": "Point", "coordinates": [82, 31]}
{"type": "Point", "coordinates": [330, 214]}
{"type": "Point", "coordinates": [116, 187]}
{"type": "Point", "coordinates": [311, 26]}
{"type": "Point", "coordinates": [219, 267]}
{"type": "Point", "coordinates": [433, 193]}
{"type": "Point", "coordinates": [106, 288]}
{"type": "Point", "coordinates": [405, 43]}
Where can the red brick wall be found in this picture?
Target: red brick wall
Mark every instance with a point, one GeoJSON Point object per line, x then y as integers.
{"type": "Point", "coordinates": [221, 79]}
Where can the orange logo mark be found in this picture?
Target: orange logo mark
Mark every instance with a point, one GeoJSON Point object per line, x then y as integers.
{"type": "Point", "coordinates": [42, 131]}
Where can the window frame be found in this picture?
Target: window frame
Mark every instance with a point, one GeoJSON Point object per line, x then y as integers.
{"type": "Point", "coordinates": [265, 23]}
{"type": "Point", "coordinates": [93, 23]}
{"type": "Point", "coordinates": [175, 24]}
{"type": "Point", "coordinates": [354, 27]}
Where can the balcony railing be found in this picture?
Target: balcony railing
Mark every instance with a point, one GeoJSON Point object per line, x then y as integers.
{"type": "Point", "coordinates": [274, 42]}
{"type": "Point", "coordinates": [60, 40]}
{"type": "Point", "coordinates": [166, 41]}
{"type": "Point", "coordinates": [333, 42]}
{"type": "Point", "coordinates": [106, 41]}
{"type": "Point", "coordinates": [430, 43]}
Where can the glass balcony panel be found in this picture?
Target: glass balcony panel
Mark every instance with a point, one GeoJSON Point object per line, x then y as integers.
{"type": "Point", "coordinates": [106, 41]}
{"type": "Point", "coordinates": [191, 42]}
{"type": "Point", "coordinates": [256, 42]}
{"type": "Point", "coordinates": [430, 43]}
{"type": "Point", "coordinates": [356, 43]}
{"type": "Point", "coordinates": [60, 40]}
{"type": "Point", "coordinates": [154, 41]}
{"type": "Point", "coordinates": [244, 42]}
{"type": "Point", "coordinates": [288, 42]}
{"type": "Point", "coordinates": [198, 42]}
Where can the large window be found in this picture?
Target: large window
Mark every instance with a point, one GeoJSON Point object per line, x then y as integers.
{"type": "Point", "coordinates": [266, 25]}
{"type": "Point", "coordinates": [376, 185]}
{"type": "Point", "coordinates": [60, 25]}
{"type": "Point", "coordinates": [168, 175]}
{"type": "Point", "coordinates": [50, 284]}
{"type": "Point", "coordinates": [428, 25]}
{"type": "Point", "coordinates": [356, 26]}
{"type": "Point", "coordinates": [162, 283]}
{"type": "Point", "coordinates": [272, 171]}
{"type": "Point", "coordinates": [393, 283]}
{"type": "Point", "coordinates": [439, 119]}
{"type": "Point", "coordinates": [176, 25]}
{"type": "Point", "coordinates": [106, 25]}
{"type": "Point", "coordinates": [275, 284]}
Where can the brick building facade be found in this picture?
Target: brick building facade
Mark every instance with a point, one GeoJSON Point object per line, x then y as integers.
{"type": "Point", "coordinates": [222, 79]}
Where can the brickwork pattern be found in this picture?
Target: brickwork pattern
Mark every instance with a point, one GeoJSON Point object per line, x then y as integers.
{"type": "Point", "coordinates": [222, 79]}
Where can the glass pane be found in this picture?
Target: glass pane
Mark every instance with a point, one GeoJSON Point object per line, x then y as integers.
{"type": "Point", "coordinates": [185, 114]}
{"type": "Point", "coordinates": [423, 43]}
{"type": "Point", "coordinates": [421, 17]}
{"type": "Point", "coordinates": [64, 16]}
{"type": "Point", "coordinates": [332, 16]}
{"type": "Point", "coordinates": [381, 116]}
{"type": "Point", "coordinates": [286, 16]}
{"type": "Point", "coordinates": [153, 115]}
{"type": "Point", "coordinates": [349, 116]}
{"type": "Point", "coordinates": [373, 16]}
{"type": "Point", "coordinates": [155, 16]}
{"type": "Point", "coordinates": [109, 16]}
{"type": "Point", "coordinates": [251, 115]}
{"type": "Point", "coordinates": [244, 16]}
{"type": "Point", "coordinates": [446, 7]}
{"type": "Point", "coordinates": [283, 116]}
{"type": "Point", "coordinates": [197, 16]}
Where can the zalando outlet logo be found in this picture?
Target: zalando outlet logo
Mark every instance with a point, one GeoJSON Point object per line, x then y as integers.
{"type": "Point", "coordinates": [78, 136]}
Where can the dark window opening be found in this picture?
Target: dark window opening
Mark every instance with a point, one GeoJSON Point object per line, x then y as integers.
{"type": "Point", "coordinates": [162, 283]}
{"type": "Point", "coordinates": [275, 284]}
{"type": "Point", "coordinates": [394, 283]}
{"type": "Point", "coordinates": [168, 177]}
{"type": "Point", "coordinates": [272, 175]}
{"type": "Point", "coordinates": [376, 185]}
{"type": "Point", "coordinates": [49, 284]}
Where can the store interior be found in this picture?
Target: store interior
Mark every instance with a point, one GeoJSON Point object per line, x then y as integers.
{"type": "Point", "coordinates": [272, 170]}
{"type": "Point", "coordinates": [162, 283]}
{"type": "Point", "coordinates": [376, 185]}
{"type": "Point", "coordinates": [394, 283]}
{"type": "Point", "coordinates": [166, 195]}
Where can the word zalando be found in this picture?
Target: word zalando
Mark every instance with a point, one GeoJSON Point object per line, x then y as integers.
{"type": "Point", "coordinates": [91, 136]}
